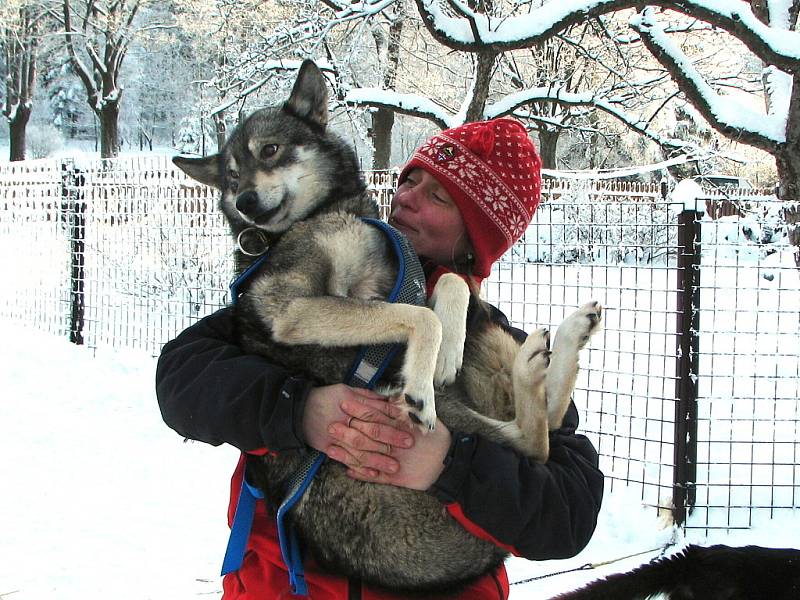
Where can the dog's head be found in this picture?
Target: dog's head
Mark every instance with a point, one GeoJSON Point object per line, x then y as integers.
{"type": "Point", "coordinates": [280, 163]}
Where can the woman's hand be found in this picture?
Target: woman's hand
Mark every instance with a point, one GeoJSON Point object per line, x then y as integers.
{"type": "Point", "coordinates": [373, 437]}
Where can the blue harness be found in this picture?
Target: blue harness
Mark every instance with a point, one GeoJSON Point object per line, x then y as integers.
{"type": "Point", "coordinates": [369, 365]}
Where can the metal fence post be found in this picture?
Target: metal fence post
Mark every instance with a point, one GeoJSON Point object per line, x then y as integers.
{"type": "Point", "coordinates": [72, 194]}
{"type": "Point", "coordinates": [688, 317]}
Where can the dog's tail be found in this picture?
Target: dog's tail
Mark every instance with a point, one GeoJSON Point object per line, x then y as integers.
{"type": "Point", "coordinates": [713, 573]}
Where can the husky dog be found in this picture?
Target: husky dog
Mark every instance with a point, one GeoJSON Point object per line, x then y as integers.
{"type": "Point", "coordinates": [713, 573]}
{"type": "Point", "coordinates": [289, 183]}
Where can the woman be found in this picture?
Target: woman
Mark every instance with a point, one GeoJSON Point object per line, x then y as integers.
{"type": "Point", "coordinates": [463, 199]}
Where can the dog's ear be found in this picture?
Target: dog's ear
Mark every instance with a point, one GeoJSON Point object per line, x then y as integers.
{"type": "Point", "coordinates": [309, 97]}
{"type": "Point", "coordinates": [205, 170]}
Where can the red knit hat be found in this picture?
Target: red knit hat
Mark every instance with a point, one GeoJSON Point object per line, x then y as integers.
{"type": "Point", "coordinates": [492, 172]}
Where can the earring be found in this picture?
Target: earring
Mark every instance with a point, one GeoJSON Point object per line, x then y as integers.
{"type": "Point", "coordinates": [470, 258]}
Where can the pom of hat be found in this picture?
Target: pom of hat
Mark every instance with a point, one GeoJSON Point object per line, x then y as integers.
{"type": "Point", "coordinates": [481, 141]}
{"type": "Point", "coordinates": [492, 172]}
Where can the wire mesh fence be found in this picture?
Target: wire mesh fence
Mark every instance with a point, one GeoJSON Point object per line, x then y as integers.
{"type": "Point", "coordinates": [690, 393]}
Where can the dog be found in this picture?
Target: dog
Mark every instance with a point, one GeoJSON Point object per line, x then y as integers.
{"type": "Point", "coordinates": [698, 573]}
{"type": "Point", "coordinates": [289, 183]}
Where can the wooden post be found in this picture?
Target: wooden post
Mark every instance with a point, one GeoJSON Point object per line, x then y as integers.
{"type": "Point", "coordinates": [688, 308]}
{"type": "Point", "coordinates": [72, 193]}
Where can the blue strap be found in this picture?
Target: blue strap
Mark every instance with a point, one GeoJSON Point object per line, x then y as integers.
{"type": "Point", "coordinates": [398, 250]}
{"type": "Point", "coordinates": [367, 369]}
{"type": "Point", "coordinates": [248, 494]}
{"type": "Point", "coordinates": [240, 530]}
{"type": "Point", "coordinates": [237, 283]}
{"type": "Point", "coordinates": [287, 536]}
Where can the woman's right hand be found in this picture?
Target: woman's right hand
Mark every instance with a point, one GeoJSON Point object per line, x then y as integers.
{"type": "Point", "coordinates": [356, 427]}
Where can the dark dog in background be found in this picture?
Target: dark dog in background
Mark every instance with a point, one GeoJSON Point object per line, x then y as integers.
{"type": "Point", "coordinates": [698, 573]}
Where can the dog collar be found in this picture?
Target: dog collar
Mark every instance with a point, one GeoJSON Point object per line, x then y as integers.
{"type": "Point", "coordinates": [252, 241]}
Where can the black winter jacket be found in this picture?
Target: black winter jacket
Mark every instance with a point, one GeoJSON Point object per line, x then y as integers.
{"type": "Point", "coordinates": [209, 390]}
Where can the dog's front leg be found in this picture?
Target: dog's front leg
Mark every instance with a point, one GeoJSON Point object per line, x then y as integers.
{"type": "Point", "coordinates": [332, 321]}
{"type": "Point", "coordinates": [450, 302]}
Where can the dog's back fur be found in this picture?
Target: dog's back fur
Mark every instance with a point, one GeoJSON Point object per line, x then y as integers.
{"type": "Point", "coordinates": [698, 573]}
{"type": "Point", "coordinates": [319, 296]}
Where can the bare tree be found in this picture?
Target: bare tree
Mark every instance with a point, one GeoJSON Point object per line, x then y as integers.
{"type": "Point", "coordinates": [97, 36]}
{"type": "Point", "coordinates": [774, 40]}
{"type": "Point", "coordinates": [19, 37]}
{"type": "Point", "coordinates": [388, 43]}
{"type": "Point", "coordinates": [563, 80]}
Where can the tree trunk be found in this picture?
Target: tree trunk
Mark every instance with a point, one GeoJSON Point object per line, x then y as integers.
{"type": "Point", "coordinates": [382, 122]}
{"type": "Point", "coordinates": [787, 161]}
{"type": "Point", "coordinates": [221, 130]}
{"type": "Point", "coordinates": [483, 77]}
{"type": "Point", "coordinates": [109, 130]}
{"type": "Point", "coordinates": [16, 133]}
{"type": "Point", "coordinates": [548, 142]}
{"type": "Point", "coordinates": [383, 119]}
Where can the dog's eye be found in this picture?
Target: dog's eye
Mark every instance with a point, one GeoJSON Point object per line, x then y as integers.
{"type": "Point", "coordinates": [233, 179]}
{"type": "Point", "coordinates": [268, 151]}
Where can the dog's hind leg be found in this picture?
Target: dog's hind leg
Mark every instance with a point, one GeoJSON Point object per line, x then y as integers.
{"type": "Point", "coordinates": [330, 321]}
{"type": "Point", "coordinates": [497, 367]}
{"type": "Point", "coordinates": [571, 336]}
{"type": "Point", "coordinates": [529, 374]}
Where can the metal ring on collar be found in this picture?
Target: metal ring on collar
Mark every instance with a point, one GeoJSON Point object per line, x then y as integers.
{"type": "Point", "coordinates": [258, 235]}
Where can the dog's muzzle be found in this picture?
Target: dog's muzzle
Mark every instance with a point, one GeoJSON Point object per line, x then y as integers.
{"type": "Point", "coordinates": [248, 203]}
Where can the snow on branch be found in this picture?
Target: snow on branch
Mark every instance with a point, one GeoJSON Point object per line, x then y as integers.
{"type": "Point", "coordinates": [422, 107]}
{"type": "Point", "coordinates": [595, 174]}
{"type": "Point", "coordinates": [349, 11]}
{"type": "Point", "coordinates": [514, 101]}
{"type": "Point", "coordinates": [773, 46]}
{"type": "Point", "coordinates": [407, 104]}
{"type": "Point", "coordinates": [724, 113]}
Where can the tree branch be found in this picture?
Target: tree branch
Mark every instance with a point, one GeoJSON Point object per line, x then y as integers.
{"type": "Point", "coordinates": [727, 117]}
{"type": "Point", "coordinates": [520, 31]}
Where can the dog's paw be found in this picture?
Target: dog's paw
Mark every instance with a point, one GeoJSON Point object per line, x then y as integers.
{"type": "Point", "coordinates": [577, 328]}
{"type": "Point", "coordinates": [422, 408]}
{"type": "Point", "coordinates": [533, 358]}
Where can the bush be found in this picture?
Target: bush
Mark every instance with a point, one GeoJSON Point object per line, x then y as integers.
{"type": "Point", "coordinates": [42, 140]}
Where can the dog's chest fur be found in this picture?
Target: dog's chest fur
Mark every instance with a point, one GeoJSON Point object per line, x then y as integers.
{"type": "Point", "coordinates": [332, 254]}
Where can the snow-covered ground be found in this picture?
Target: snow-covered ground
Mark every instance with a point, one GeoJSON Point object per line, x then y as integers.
{"type": "Point", "coordinates": [101, 500]}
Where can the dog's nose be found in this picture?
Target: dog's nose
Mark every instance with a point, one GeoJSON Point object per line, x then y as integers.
{"type": "Point", "coordinates": [247, 203]}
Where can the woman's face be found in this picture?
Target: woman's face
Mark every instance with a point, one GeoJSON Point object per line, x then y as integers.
{"type": "Point", "coordinates": [424, 211]}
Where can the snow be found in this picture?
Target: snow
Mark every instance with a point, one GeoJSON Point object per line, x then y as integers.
{"type": "Point", "coordinates": [779, 13]}
{"type": "Point", "coordinates": [403, 102]}
{"type": "Point", "coordinates": [99, 494]}
{"type": "Point", "coordinates": [686, 192]}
